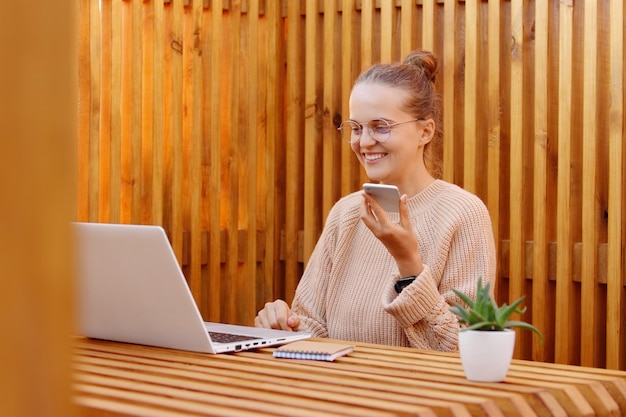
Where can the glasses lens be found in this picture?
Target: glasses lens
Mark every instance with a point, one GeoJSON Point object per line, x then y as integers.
{"type": "Point", "coordinates": [350, 131]}
{"type": "Point", "coordinates": [379, 129]}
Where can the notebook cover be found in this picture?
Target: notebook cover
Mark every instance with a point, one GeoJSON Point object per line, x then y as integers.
{"type": "Point", "coordinates": [307, 349]}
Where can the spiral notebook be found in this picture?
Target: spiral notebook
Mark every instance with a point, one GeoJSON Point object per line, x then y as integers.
{"type": "Point", "coordinates": [307, 349]}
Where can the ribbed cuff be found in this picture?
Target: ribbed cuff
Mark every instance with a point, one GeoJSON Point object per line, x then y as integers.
{"type": "Point", "coordinates": [415, 302]}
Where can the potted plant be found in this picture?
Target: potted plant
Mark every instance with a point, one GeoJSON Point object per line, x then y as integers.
{"type": "Point", "coordinates": [487, 342]}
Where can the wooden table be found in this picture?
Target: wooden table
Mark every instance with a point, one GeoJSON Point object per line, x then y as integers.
{"type": "Point", "coordinates": [115, 379]}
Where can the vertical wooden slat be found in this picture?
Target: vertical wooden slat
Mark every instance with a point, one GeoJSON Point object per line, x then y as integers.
{"type": "Point", "coordinates": [214, 189]}
{"type": "Point", "coordinates": [312, 137]}
{"type": "Point", "coordinates": [516, 185]}
{"type": "Point", "coordinates": [95, 108]}
{"type": "Point", "coordinates": [332, 114]}
{"type": "Point", "coordinates": [254, 159]}
{"type": "Point", "coordinates": [126, 110]}
{"type": "Point", "coordinates": [192, 120]}
{"type": "Point", "coordinates": [589, 264]}
{"type": "Point", "coordinates": [373, 52]}
{"type": "Point", "coordinates": [407, 17]}
{"type": "Point", "coordinates": [170, 46]}
{"type": "Point", "coordinates": [370, 54]}
{"type": "Point", "coordinates": [115, 170]}
{"type": "Point", "coordinates": [84, 109]}
{"type": "Point", "coordinates": [471, 93]}
{"type": "Point", "coordinates": [104, 137]}
{"type": "Point", "coordinates": [428, 25]}
{"type": "Point", "coordinates": [176, 116]}
{"type": "Point", "coordinates": [349, 64]}
{"type": "Point", "coordinates": [294, 181]}
{"type": "Point", "coordinates": [367, 35]}
{"type": "Point", "coordinates": [564, 346]}
{"type": "Point", "coordinates": [615, 316]}
{"type": "Point", "coordinates": [274, 66]}
{"type": "Point", "coordinates": [158, 128]}
{"type": "Point", "coordinates": [386, 31]}
{"type": "Point", "coordinates": [206, 122]}
{"type": "Point", "coordinates": [136, 116]}
{"type": "Point", "coordinates": [230, 152]}
{"type": "Point", "coordinates": [241, 280]}
{"type": "Point", "coordinates": [494, 127]}
{"type": "Point", "coordinates": [148, 119]}
{"type": "Point", "coordinates": [540, 300]}
{"type": "Point", "coordinates": [449, 90]}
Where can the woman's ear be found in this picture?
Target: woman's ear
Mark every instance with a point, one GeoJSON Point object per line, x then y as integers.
{"type": "Point", "coordinates": [428, 131]}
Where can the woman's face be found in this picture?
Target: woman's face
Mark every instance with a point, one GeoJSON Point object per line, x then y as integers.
{"type": "Point", "coordinates": [398, 160]}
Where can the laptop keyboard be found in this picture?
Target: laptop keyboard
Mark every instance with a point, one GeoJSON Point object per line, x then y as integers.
{"type": "Point", "coordinates": [229, 337]}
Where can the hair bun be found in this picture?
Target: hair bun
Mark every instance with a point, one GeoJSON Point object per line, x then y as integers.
{"type": "Point", "coordinates": [425, 62]}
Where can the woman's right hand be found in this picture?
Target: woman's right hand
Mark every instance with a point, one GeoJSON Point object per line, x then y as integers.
{"type": "Point", "coordinates": [399, 238]}
{"type": "Point", "coordinates": [277, 315]}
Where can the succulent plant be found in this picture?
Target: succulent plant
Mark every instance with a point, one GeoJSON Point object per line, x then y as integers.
{"type": "Point", "coordinates": [483, 313]}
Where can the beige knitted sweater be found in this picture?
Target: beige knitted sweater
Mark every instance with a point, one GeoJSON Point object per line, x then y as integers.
{"type": "Point", "coordinates": [347, 289]}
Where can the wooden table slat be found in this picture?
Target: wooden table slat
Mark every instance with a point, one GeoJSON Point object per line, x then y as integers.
{"type": "Point", "coordinates": [237, 391]}
{"type": "Point", "coordinates": [320, 390]}
{"type": "Point", "coordinates": [123, 379]}
{"type": "Point", "coordinates": [417, 390]}
{"type": "Point", "coordinates": [204, 400]}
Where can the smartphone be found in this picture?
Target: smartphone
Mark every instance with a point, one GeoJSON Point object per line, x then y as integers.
{"type": "Point", "coordinates": [388, 196]}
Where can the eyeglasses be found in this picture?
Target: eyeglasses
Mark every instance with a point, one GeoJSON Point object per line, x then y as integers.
{"type": "Point", "coordinates": [379, 129]}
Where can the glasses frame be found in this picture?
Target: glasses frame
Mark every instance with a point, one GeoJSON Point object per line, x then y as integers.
{"type": "Point", "coordinates": [369, 129]}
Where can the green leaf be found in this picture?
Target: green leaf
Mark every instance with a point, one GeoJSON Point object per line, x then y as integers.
{"type": "Point", "coordinates": [524, 325]}
{"type": "Point", "coordinates": [505, 311]}
{"type": "Point", "coordinates": [464, 297]}
{"type": "Point", "coordinates": [483, 313]}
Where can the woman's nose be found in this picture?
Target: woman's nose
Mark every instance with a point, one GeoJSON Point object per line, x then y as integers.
{"type": "Point", "coordinates": [366, 138]}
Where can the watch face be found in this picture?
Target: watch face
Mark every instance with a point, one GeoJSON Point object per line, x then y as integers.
{"type": "Point", "coordinates": [403, 282]}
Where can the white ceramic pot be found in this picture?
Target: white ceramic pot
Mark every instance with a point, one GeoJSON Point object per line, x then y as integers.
{"type": "Point", "coordinates": [486, 355]}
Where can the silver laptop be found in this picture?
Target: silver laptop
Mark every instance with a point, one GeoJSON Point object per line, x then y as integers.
{"type": "Point", "coordinates": [131, 289]}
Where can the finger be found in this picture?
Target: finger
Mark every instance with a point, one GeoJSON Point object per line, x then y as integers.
{"type": "Point", "coordinates": [367, 215]}
{"type": "Point", "coordinates": [293, 321]}
{"type": "Point", "coordinates": [267, 317]}
{"type": "Point", "coordinates": [280, 313]}
{"type": "Point", "coordinates": [365, 208]}
{"type": "Point", "coordinates": [261, 320]}
{"type": "Point", "coordinates": [405, 218]}
{"type": "Point", "coordinates": [377, 212]}
{"type": "Point", "coordinates": [280, 321]}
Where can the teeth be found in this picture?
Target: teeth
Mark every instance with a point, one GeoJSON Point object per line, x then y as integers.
{"type": "Point", "coordinates": [372, 157]}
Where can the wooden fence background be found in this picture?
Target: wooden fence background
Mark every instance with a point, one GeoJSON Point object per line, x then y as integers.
{"type": "Point", "coordinates": [216, 119]}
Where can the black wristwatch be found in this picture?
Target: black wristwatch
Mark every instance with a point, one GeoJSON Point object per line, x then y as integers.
{"type": "Point", "coordinates": [403, 282]}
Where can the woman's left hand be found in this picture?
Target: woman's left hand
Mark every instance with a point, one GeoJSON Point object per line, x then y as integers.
{"type": "Point", "coordinates": [398, 238]}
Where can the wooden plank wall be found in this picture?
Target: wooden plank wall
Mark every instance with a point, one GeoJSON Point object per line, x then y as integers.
{"type": "Point", "coordinates": [217, 120]}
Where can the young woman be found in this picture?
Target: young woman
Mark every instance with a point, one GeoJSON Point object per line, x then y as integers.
{"type": "Point", "coordinates": [441, 238]}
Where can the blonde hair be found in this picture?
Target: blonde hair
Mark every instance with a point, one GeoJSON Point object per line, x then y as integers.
{"type": "Point", "coordinates": [416, 75]}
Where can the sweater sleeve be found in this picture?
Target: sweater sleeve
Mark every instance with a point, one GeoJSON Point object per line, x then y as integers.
{"type": "Point", "coordinates": [422, 308]}
{"type": "Point", "coordinates": [309, 302]}
{"type": "Point", "coordinates": [310, 299]}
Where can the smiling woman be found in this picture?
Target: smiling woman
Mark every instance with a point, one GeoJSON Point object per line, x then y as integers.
{"type": "Point", "coordinates": [380, 277]}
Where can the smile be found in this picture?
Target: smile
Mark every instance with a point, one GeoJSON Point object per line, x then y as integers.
{"type": "Point", "coordinates": [373, 156]}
